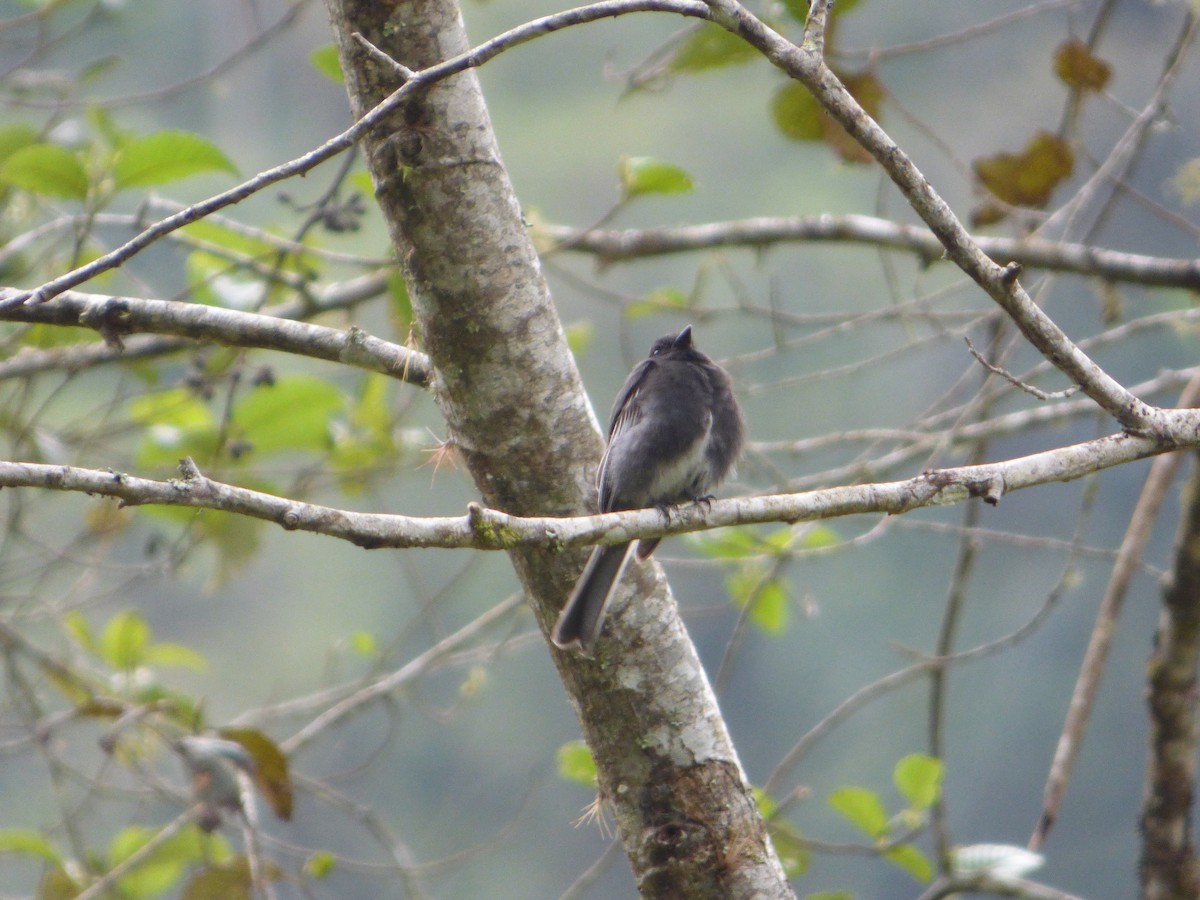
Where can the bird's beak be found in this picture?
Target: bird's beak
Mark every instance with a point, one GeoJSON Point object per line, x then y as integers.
{"type": "Point", "coordinates": [683, 340]}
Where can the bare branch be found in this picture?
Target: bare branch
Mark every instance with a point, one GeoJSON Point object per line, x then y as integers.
{"type": "Point", "coordinates": [113, 317]}
{"type": "Point", "coordinates": [397, 679]}
{"type": "Point", "coordinates": [489, 529]}
{"type": "Point", "coordinates": [1033, 253]}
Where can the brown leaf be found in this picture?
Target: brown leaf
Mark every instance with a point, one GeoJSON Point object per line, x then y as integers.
{"type": "Point", "coordinates": [1028, 178]}
{"type": "Point", "coordinates": [1187, 181]}
{"type": "Point", "coordinates": [271, 767]}
{"type": "Point", "coordinates": [1078, 68]}
{"type": "Point", "coordinates": [866, 89]}
{"type": "Point", "coordinates": [798, 116]}
{"type": "Point", "coordinates": [225, 882]}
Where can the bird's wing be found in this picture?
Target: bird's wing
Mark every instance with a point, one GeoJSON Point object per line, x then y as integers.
{"type": "Point", "coordinates": [626, 411]}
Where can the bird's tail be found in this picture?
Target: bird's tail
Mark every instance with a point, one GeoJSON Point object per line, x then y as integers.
{"type": "Point", "coordinates": [580, 620]}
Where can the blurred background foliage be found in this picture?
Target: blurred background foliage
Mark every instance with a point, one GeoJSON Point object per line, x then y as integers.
{"type": "Point", "coordinates": [124, 631]}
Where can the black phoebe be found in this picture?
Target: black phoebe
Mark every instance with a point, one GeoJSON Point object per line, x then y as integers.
{"type": "Point", "coordinates": [676, 431]}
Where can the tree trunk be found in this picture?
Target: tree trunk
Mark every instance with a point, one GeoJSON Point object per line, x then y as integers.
{"type": "Point", "coordinates": [1169, 868]}
{"type": "Point", "coordinates": [516, 412]}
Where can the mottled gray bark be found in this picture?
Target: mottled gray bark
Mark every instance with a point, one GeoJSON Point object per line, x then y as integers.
{"type": "Point", "coordinates": [1169, 868]}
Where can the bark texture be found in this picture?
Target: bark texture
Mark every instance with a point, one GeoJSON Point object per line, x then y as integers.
{"type": "Point", "coordinates": [515, 408]}
{"type": "Point", "coordinates": [1169, 867]}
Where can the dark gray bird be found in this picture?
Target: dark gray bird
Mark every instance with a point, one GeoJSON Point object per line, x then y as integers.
{"type": "Point", "coordinates": [676, 430]}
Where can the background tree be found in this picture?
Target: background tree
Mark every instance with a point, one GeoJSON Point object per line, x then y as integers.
{"type": "Point", "coordinates": [404, 735]}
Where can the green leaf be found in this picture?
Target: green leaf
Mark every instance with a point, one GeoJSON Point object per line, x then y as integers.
{"type": "Point", "coordinates": [737, 542]}
{"type": "Point", "coordinates": [95, 70]}
{"type": "Point", "coordinates": [236, 242]}
{"type": "Point", "coordinates": [364, 643]}
{"type": "Point", "coordinates": [46, 337]}
{"type": "Point", "coordinates": [767, 598]}
{"type": "Point", "coordinates": [176, 407]}
{"type": "Point", "coordinates": [744, 582]}
{"type": "Point", "coordinates": [236, 538]}
{"type": "Point", "coordinates": [798, 9]}
{"type": "Point", "coordinates": [27, 842]}
{"type": "Point", "coordinates": [78, 627]}
{"type": "Point", "coordinates": [165, 865]}
{"type": "Point", "coordinates": [766, 803]}
{"type": "Point", "coordinates": [401, 303]}
{"type": "Point", "coordinates": [830, 895]}
{"type": "Point", "coordinates": [919, 778]}
{"type": "Point", "coordinates": [575, 763]}
{"type": "Point", "coordinates": [789, 843]}
{"type": "Point", "coordinates": [271, 767]}
{"type": "Point", "coordinates": [579, 337]}
{"type": "Point", "coordinates": [361, 182]}
{"type": "Point", "coordinates": [912, 861]}
{"type": "Point", "coordinates": [105, 124]}
{"type": "Point", "coordinates": [709, 47]}
{"type": "Point", "coordinates": [796, 113]}
{"type": "Point", "coordinates": [124, 639]}
{"type": "Point", "coordinates": [178, 424]}
{"type": "Point", "coordinates": [56, 884]}
{"type": "Point", "coordinates": [770, 609]}
{"type": "Point", "coordinates": [371, 412]}
{"type": "Point", "coordinates": [819, 537]}
{"type": "Point", "coordinates": [319, 864]}
{"type": "Point", "coordinates": [14, 137]}
{"type": "Point", "coordinates": [656, 302]}
{"type": "Point", "coordinates": [369, 440]}
{"type": "Point", "coordinates": [167, 156]}
{"type": "Point", "coordinates": [325, 60]}
{"type": "Point", "coordinates": [217, 277]}
{"type": "Point", "coordinates": [168, 654]}
{"type": "Point", "coordinates": [47, 170]}
{"type": "Point", "coordinates": [789, 847]}
{"type": "Point", "coordinates": [863, 808]}
{"type": "Point", "coordinates": [292, 414]}
{"type": "Point", "coordinates": [218, 281]}
{"type": "Point", "coordinates": [646, 175]}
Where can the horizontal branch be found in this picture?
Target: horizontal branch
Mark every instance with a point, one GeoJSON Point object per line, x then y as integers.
{"type": "Point", "coordinates": [1080, 259]}
{"type": "Point", "coordinates": [489, 529]}
{"type": "Point", "coordinates": [114, 317]}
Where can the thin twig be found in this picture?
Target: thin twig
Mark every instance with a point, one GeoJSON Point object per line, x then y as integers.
{"type": "Point", "coordinates": [1016, 382]}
